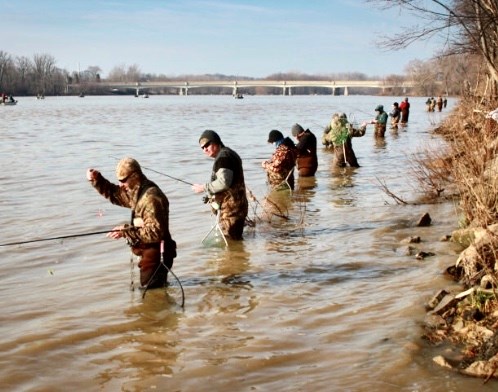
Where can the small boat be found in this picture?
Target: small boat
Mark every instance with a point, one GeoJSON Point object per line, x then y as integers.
{"type": "Point", "coordinates": [9, 103]}
{"type": "Point", "coordinates": [82, 95]}
{"type": "Point", "coordinates": [145, 95]}
{"type": "Point", "coordinates": [238, 96]}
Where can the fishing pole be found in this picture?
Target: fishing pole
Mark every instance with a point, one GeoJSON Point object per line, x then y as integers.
{"type": "Point", "coordinates": [61, 237]}
{"type": "Point", "coordinates": [158, 172]}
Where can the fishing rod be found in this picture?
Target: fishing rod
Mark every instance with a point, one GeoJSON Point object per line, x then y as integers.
{"type": "Point", "coordinates": [61, 237]}
{"type": "Point", "coordinates": [158, 172]}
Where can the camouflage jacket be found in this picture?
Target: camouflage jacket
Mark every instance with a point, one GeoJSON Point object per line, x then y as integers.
{"type": "Point", "coordinates": [281, 163]}
{"type": "Point", "coordinates": [337, 134]}
{"type": "Point", "coordinates": [149, 206]}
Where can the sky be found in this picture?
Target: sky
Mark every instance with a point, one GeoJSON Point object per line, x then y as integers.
{"type": "Point", "coordinates": [254, 38]}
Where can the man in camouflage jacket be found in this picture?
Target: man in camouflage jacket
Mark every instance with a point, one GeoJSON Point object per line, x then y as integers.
{"type": "Point", "coordinates": [149, 224]}
{"type": "Point", "coordinates": [338, 135]}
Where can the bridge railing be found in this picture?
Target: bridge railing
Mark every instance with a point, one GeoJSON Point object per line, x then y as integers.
{"type": "Point", "coordinates": [286, 85]}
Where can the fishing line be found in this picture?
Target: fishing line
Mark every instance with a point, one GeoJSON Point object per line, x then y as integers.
{"type": "Point", "coordinates": [171, 272]}
{"type": "Point", "coordinates": [61, 237]}
{"type": "Point", "coordinates": [158, 172]}
{"type": "Point", "coordinates": [167, 175]}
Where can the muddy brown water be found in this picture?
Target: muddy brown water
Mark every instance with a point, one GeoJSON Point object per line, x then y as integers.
{"type": "Point", "coordinates": [326, 301]}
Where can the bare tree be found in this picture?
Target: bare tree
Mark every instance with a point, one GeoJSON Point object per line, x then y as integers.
{"type": "Point", "coordinates": [5, 64]}
{"type": "Point", "coordinates": [24, 68]}
{"type": "Point", "coordinates": [117, 74]}
{"type": "Point", "coordinates": [466, 27]}
{"type": "Point", "coordinates": [92, 74]}
{"type": "Point", "coordinates": [44, 68]}
{"type": "Point", "coordinates": [133, 74]}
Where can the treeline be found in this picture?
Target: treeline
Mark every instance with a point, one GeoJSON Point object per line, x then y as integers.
{"type": "Point", "coordinates": [22, 76]}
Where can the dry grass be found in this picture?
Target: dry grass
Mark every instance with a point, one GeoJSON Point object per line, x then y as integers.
{"type": "Point", "coordinates": [468, 166]}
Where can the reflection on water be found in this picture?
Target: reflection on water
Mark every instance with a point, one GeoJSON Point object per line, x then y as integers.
{"type": "Point", "coordinates": [380, 143]}
{"type": "Point", "coordinates": [319, 298]}
{"type": "Point", "coordinates": [342, 183]}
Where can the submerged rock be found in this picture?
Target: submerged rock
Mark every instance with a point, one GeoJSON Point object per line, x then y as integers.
{"type": "Point", "coordinates": [425, 220]}
{"type": "Point", "coordinates": [422, 255]}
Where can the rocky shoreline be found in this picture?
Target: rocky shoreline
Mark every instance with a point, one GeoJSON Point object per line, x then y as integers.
{"type": "Point", "coordinates": [462, 320]}
{"type": "Point", "coordinates": [464, 323]}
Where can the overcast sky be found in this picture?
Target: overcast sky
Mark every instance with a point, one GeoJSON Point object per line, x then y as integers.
{"type": "Point", "coordinates": [254, 38]}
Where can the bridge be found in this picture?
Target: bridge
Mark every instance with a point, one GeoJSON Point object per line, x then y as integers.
{"type": "Point", "coordinates": [286, 85]}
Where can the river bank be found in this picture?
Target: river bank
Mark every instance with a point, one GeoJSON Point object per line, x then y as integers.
{"type": "Point", "coordinates": [463, 321]}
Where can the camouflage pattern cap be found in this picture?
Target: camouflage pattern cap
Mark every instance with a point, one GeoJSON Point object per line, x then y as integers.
{"type": "Point", "coordinates": [126, 167]}
{"type": "Point", "coordinates": [210, 136]}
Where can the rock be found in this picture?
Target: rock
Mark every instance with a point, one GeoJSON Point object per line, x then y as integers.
{"type": "Point", "coordinates": [422, 255]}
{"type": "Point", "coordinates": [412, 240]}
{"type": "Point", "coordinates": [434, 321]}
{"type": "Point", "coordinates": [472, 314]}
{"type": "Point", "coordinates": [410, 251]}
{"type": "Point", "coordinates": [439, 360]}
{"type": "Point", "coordinates": [455, 272]}
{"type": "Point", "coordinates": [458, 325]}
{"type": "Point", "coordinates": [425, 220]}
{"type": "Point", "coordinates": [479, 257]}
{"type": "Point", "coordinates": [464, 237]}
{"type": "Point", "coordinates": [446, 303]}
{"type": "Point", "coordinates": [488, 282]}
{"type": "Point", "coordinates": [485, 369]}
{"type": "Point", "coordinates": [434, 301]}
{"type": "Point", "coordinates": [475, 334]}
{"type": "Point", "coordinates": [463, 294]}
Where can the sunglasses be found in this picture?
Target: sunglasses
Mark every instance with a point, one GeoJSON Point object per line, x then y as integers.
{"type": "Point", "coordinates": [206, 145]}
{"type": "Point", "coordinates": [123, 180]}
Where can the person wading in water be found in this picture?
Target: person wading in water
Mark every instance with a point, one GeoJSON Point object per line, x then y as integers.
{"type": "Point", "coordinates": [280, 167]}
{"type": "Point", "coordinates": [307, 160]}
{"type": "Point", "coordinates": [149, 224]}
{"type": "Point", "coordinates": [226, 186]}
{"type": "Point", "coordinates": [338, 135]}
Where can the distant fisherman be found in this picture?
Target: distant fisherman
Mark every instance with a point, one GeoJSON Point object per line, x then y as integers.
{"type": "Point", "coordinates": [338, 135]}
{"type": "Point", "coordinates": [280, 167]}
{"type": "Point", "coordinates": [149, 224]}
{"type": "Point", "coordinates": [395, 115]}
{"type": "Point", "coordinates": [307, 160]}
{"type": "Point", "coordinates": [404, 106]}
{"type": "Point", "coordinates": [226, 186]}
{"type": "Point", "coordinates": [380, 121]}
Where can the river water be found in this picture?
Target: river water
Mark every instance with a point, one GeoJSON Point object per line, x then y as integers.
{"type": "Point", "coordinates": [325, 300]}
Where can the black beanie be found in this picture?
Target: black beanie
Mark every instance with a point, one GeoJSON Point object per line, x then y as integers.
{"type": "Point", "coordinates": [275, 136]}
{"type": "Point", "coordinates": [210, 136]}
